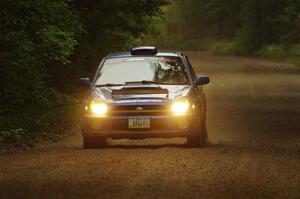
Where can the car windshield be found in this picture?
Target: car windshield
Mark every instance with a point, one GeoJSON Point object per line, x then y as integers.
{"type": "Point", "coordinates": [144, 70]}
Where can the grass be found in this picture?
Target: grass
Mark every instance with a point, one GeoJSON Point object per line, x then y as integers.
{"type": "Point", "coordinates": [225, 48]}
{"type": "Point", "coordinates": [294, 55]}
{"type": "Point", "coordinates": [278, 53]}
{"type": "Point", "coordinates": [272, 52]}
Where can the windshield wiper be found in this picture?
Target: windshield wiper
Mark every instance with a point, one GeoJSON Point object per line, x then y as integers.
{"type": "Point", "coordinates": [146, 82]}
{"type": "Point", "coordinates": [108, 84]}
{"type": "Point", "coordinates": [138, 82]}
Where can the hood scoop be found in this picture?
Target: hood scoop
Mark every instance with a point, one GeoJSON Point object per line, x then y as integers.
{"type": "Point", "coordinates": [137, 91]}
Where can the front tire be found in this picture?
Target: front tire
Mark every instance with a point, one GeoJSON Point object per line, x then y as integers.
{"type": "Point", "coordinates": [198, 137]}
{"type": "Point", "coordinates": [94, 142]}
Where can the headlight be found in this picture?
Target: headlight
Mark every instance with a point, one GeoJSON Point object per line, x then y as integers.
{"type": "Point", "coordinates": [98, 108]}
{"type": "Point", "coordinates": [180, 107]}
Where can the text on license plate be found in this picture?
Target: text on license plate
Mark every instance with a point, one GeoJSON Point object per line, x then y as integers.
{"type": "Point", "coordinates": [139, 122]}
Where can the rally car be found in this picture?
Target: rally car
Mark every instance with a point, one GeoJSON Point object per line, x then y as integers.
{"type": "Point", "coordinates": [144, 94]}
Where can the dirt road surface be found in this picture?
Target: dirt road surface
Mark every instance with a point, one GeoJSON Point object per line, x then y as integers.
{"type": "Point", "coordinates": [254, 130]}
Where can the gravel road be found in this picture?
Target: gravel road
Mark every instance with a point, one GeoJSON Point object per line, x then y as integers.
{"type": "Point", "coordinates": [254, 131]}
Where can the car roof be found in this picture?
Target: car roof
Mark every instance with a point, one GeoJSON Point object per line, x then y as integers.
{"type": "Point", "coordinates": [128, 54]}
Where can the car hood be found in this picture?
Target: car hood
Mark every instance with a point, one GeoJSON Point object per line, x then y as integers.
{"type": "Point", "coordinates": [140, 93]}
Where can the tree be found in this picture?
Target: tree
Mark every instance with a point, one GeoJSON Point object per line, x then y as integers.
{"type": "Point", "coordinates": [45, 44]}
{"type": "Point", "coordinates": [251, 24]}
{"type": "Point", "coordinates": [33, 34]}
{"type": "Point", "coordinates": [111, 25]}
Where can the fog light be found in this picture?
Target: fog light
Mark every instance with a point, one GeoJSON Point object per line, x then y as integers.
{"type": "Point", "coordinates": [182, 124]}
{"type": "Point", "coordinates": [97, 125]}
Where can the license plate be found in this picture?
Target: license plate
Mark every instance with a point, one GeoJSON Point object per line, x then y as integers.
{"type": "Point", "coordinates": [139, 123]}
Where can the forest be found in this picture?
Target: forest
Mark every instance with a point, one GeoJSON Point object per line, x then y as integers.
{"type": "Point", "coordinates": [45, 46]}
{"type": "Point", "coordinates": [244, 27]}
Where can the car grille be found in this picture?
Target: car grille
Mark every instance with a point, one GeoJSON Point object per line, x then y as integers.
{"type": "Point", "coordinates": [136, 110]}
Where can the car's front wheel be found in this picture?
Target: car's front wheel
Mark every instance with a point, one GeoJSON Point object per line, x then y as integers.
{"type": "Point", "coordinates": [198, 138]}
{"type": "Point", "coordinates": [93, 142]}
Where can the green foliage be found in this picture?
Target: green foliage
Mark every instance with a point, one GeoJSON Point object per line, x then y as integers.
{"type": "Point", "coordinates": [46, 45]}
{"type": "Point", "coordinates": [17, 136]}
{"type": "Point", "coordinates": [112, 25]}
{"type": "Point", "coordinates": [33, 35]}
{"type": "Point", "coordinates": [248, 25]}
{"type": "Point", "coordinates": [60, 44]}
{"type": "Point", "coordinates": [278, 52]}
{"type": "Point", "coordinates": [201, 44]}
{"type": "Point", "coordinates": [225, 48]}
{"type": "Point", "coordinates": [273, 51]}
{"type": "Point", "coordinates": [201, 18]}
{"type": "Point", "coordinates": [294, 54]}
{"type": "Point", "coordinates": [155, 33]}
{"type": "Point", "coordinates": [289, 23]}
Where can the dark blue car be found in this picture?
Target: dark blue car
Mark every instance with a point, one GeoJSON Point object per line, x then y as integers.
{"type": "Point", "coordinates": [144, 94]}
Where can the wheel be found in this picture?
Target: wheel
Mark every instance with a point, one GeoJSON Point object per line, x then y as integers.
{"type": "Point", "coordinates": [94, 142]}
{"type": "Point", "coordinates": [198, 138]}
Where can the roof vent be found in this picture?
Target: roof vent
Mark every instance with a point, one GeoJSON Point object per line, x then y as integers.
{"type": "Point", "coordinates": [144, 50]}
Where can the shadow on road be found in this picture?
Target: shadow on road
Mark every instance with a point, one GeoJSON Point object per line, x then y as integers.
{"type": "Point", "coordinates": [127, 145]}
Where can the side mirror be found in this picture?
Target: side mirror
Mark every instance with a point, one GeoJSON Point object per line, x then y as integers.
{"type": "Point", "coordinates": [84, 82]}
{"type": "Point", "coordinates": [202, 80]}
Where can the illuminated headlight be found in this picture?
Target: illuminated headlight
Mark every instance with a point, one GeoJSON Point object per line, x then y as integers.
{"type": "Point", "coordinates": [180, 107]}
{"type": "Point", "coordinates": [98, 108]}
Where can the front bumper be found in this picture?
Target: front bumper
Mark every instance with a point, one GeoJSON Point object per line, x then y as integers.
{"type": "Point", "coordinates": [117, 127]}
